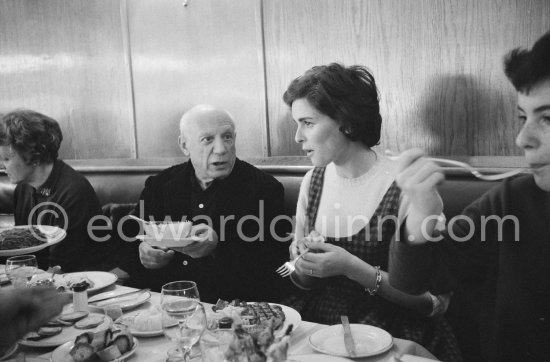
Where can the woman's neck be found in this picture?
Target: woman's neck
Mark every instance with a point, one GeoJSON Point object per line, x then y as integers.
{"type": "Point", "coordinates": [356, 161]}
{"type": "Point", "coordinates": [40, 174]}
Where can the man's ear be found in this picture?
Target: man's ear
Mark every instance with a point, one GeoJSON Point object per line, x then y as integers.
{"type": "Point", "coordinates": [183, 146]}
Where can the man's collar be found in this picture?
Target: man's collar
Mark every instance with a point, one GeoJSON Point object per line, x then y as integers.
{"type": "Point", "coordinates": [195, 182]}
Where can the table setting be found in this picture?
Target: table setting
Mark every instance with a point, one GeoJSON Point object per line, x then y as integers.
{"type": "Point", "coordinates": [158, 314]}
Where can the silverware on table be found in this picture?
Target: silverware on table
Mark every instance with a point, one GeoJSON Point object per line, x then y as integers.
{"type": "Point", "coordinates": [348, 338]}
{"type": "Point", "coordinates": [107, 296]}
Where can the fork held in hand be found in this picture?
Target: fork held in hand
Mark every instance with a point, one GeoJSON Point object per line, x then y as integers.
{"type": "Point", "coordinates": [289, 267]}
{"type": "Point", "coordinates": [499, 176]}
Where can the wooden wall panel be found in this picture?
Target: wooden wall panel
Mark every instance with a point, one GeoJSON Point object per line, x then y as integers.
{"type": "Point", "coordinates": [207, 52]}
{"type": "Point", "coordinates": [438, 65]}
{"type": "Point", "coordinates": [66, 59]}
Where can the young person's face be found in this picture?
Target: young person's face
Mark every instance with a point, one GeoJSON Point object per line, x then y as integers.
{"type": "Point", "coordinates": [534, 137]}
{"type": "Point", "coordinates": [318, 134]}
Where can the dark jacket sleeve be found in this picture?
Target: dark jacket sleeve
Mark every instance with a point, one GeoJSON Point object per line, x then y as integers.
{"type": "Point", "coordinates": [464, 248]}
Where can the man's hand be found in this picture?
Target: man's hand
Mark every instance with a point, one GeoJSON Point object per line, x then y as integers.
{"type": "Point", "coordinates": [206, 241]}
{"type": "Point", "coordinates": [418, 179]}
{"type": "Point", "coordinates": [153, 257]}
{"type": "Point", "coordinates": [26, 309]}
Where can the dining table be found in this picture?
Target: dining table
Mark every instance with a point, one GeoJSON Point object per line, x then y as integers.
{"type": "Point", "coordinates": [153, 349]}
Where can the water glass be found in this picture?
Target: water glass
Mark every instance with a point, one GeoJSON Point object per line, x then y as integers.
{"type": "Point", "coordinates": [20, 269]}
{"type": "Point", "coordinates": [183, 317]}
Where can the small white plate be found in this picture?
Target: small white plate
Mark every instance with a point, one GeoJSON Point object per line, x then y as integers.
{"type": "Point", "coordinates": [369, 340]}
{"type": "Point", "coordinates": [62, 353]}
{"type": "Point", "coordinates": [99, 279]}
{"type": "Point", "coordinates": [315, 357]}
{"type": "Point", "coordinates": [125, 302]}
{"type": "Point", "coordinates": [53, 236]}
{"type": "Point", "coordinates": [68, 334]}
{"type": "Point", "coordinates": [167, 243]}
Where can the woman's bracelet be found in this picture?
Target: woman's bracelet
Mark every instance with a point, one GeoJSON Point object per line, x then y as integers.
{"type": "Point", "coordinates": [377, 282]}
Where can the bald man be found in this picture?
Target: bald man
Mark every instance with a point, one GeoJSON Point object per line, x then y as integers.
{"type": "Point", "coordinates": [232, 205]}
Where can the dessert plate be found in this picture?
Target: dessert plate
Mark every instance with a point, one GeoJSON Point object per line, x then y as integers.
{"type": "Point", "coordinates": [369, 340]}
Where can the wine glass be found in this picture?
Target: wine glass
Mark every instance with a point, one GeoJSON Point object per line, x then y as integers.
{"type": "Point", "coordinates": [20, 269]}
{"type": "Point", "coordinates": [183, 316]}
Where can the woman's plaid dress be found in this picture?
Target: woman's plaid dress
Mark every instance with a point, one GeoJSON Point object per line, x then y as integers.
{"type": "Point", "coordinates": [341, 296]}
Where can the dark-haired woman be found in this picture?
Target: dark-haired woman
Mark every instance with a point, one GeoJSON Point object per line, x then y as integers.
{"type": "Point", "coordinates": [350, 211]}
{"type": "Point", "coordinates": [47, 190]}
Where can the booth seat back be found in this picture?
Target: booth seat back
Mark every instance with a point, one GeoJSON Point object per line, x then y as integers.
{"type": "Point", "coordinates": [457, 191]}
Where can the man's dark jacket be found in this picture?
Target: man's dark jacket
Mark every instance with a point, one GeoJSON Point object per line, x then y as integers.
{"type": "Point", "coordinates": [237, 269]}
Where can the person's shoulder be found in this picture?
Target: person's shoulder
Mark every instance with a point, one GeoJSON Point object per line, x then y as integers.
{"type": "Point", "coordinates": [69, 177]}
{"type": "Point", "coordinates": [167, 174]}
{"type": "Point", "coordinates": [513, 185]}
{"type": "Point", "coordinates": [250, 173]}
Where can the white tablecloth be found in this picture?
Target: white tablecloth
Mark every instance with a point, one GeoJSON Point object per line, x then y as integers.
{"type": "Point", "coordinates": [154, 349]}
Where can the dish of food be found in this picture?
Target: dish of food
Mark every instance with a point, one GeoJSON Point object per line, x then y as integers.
{"type": "Point", "coordinates": [111, 346]}
{"type": "Point", "coordinates": [68, 331]}
{"type": "Point", "coordinates": [167, 243]}
{"type": "Point", "coordinates": [254, 313]}
{"type": "Point", "coordinates": [96, 280]}
{"type": "Point", "coordinates": [145, 323]}
{"type": "Point", "coordinates": [26, 239]}
{"type": "Point", "coordinates": [369, 340]}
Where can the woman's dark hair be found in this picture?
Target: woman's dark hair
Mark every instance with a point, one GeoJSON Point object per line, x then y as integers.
{"type": "Point", "coordinates": [345, 94]}
{"type": "Point", "coordinates": [34, 136]}
{"type": "Point", "coordinates": [526, 68]}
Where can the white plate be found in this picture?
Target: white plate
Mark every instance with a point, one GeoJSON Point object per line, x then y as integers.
{"type": "Point", "coordinates": [62, 353]}
{"type": "Point", "coordinates": [129, 319]}
{"type": "Point", "coordinates": [125, 302]}
{"type": "Point", "coordinates": [369, 340]}
{"type": "Point", "coordinates": [9, 352]}
{"type": "Point", "coordinates": [99, 279]}
{"type": "Point", "coordinates": [167, 243]}
{"type": "Point", "coordinates": [315, 357]}
{"type": "Point", "coordinates": [291, 317]}
{"type": "Point", "coordinates": [68, 334]}
{"type": "Point", "coordinates": [53, 236]}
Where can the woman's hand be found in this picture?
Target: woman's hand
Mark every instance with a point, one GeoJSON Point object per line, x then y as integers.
{"type": "Point", "coordinates": [418, 179]}
{"type": "Point", "coordinates": [324, 260]}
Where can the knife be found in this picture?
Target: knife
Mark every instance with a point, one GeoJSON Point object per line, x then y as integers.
{"type": "Point", "coordinates": [348, 338]}
{"type": "Point", "coordinates": [111, 295]}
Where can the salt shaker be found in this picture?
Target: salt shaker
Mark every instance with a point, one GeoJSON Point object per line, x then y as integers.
{"type": "Point", "coordinates": [80, 297]}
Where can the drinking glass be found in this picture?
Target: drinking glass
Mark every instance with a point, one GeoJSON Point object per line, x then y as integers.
{"type": "Point", "coordinates": [183, 316]}
{"type": "Point", "coordinates": [20, 269]}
